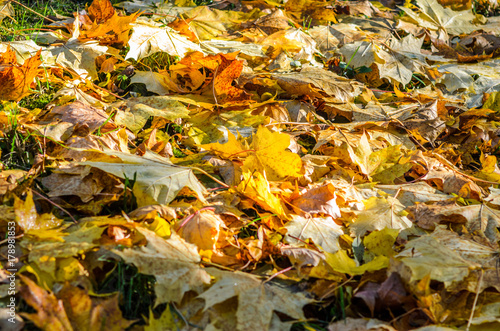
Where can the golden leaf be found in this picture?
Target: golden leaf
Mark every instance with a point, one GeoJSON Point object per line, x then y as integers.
{"type": "Point", "coordinates": [16, 80]}
{"type": "Point", "coordinates": [269, 156]}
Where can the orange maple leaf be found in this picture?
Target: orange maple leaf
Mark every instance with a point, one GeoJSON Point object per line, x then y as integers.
{"type": "Point", "coordinates": [182, 26]}
{"type": "Point", "coordinates": [15, 80]}
{"type": "Point", "coordinates": [195, 72]}
{"type": "Point", "coordinates": [104, 24]}
{"type": "Point", "coordinates": [228, 70]}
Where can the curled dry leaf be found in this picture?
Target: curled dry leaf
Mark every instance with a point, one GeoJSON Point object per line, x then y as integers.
{"type": "Point", "coordinates": [203, 230]}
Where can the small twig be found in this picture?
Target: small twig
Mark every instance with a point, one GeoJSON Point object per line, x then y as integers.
{"type": "Point", "coordinates": [31, 10]}
{"type": "Point", "coordinates": [179, 313]}
{"type": "Point", "coordinates": [278, 273]}
{"type": "Point", "coordinates": [107, 91]}
{"type": "Point", "coordinates": [211, 177]}
{"type": "Point", "coordinates": [291, 123]}
{"type": "Point", "coordinates": [216, 188]}
{"type": "Point", "coordinates": [297, 238]}
{"type": "Point", "coordinates": [336, 288]}
{"type": "Point", "coordinates": [56, 205]}
{"type": "Point", "coordinates": [245, 266]}
{"type": "Point", "coordinates": [16, 237]}
{"type": "Point", "coordinates": [187, 219]}
{"type": "Point", "coordinates": [407, 313]}
{"type": "Point", "coordinates": [217, 265]}
{"type": "Point", "coordinates": [453, 168]}
{"type": "Point", "coordinates": [479, 283]}
{"type": "Point", "coordinates": [409, 133]}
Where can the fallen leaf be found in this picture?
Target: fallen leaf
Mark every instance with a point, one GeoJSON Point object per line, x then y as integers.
{"type": "Point", "coordinates": [50, 314]}
{"type": "Point", "coordinates": [324, 232]}
{"type": "Point", "coordinates": [442, 20]}
{"type": "Point", "coordinates": [135, 112]}
{"type": "Point", "coordinates": [147, 39]}
{"type": "Point", "coordinates": [378, 214]}
{"type": "Point", "coordinates": [319, 83]}
{"type": "Point", "coordinates": [317, 200]}
{"type": "Point", "coordinates": [86, 313]}
{"type": "Point", "coordinates": [268, 155]}
{"type": "Point", "coordinates": [203, 230]}
{"type": "Point", "coordinates": [16, 80]}
{"type": "Point", "coordinates": [253, 296]}
{"type": "Point", "coordinates": [257, 188]}
{"type": "Point", "coordinates": [102, 23]}
{"type": "Point", "coordinates": [173, 262]}
{"type": "Point", "coordinates": [157, 180]}
{"type": "Point", "coordinates": [425, 255]}
{"type": "Point", "coordinates": [77, 56]}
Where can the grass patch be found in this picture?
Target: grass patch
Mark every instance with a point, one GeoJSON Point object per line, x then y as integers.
{"type": "Point", "coordinates": [136, 290]}
{"type": "Point", "coordinates": [26, 22]}
{"type": "Point", "coordinates": [18, 147]}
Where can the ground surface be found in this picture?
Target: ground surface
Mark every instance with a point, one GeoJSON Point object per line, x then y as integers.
{"type": "Point", "coordinates": [249, 165]}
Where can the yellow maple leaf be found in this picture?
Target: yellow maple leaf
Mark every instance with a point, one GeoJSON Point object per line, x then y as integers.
{"type": "Point", "coordinates": [231, 149]}
{"type": "Point", "coordinates": [257, 188]}
{"type": "Point", "coordinates": [268, 155]}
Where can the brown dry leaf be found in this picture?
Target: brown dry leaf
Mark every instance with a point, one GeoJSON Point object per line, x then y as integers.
{"type": "Point", "coordinates": [16, 80]}
{"type": "Point", "coordinates": [100, 10]}
{"type": "Point", "coordinates": [318, 200]}
{"type": "Point", "coordinates": [9, 180]}
{"type": "Point", "coordinates": [74, 118]}
{"type": "Point", "coordinates": [316, 82]}
{"type": "Point", "coordinates": [195, 72]}
{"type": "Point", "coordinates": [188, 75]}
{"type": "Point", "coordinates": [227, 71]}
{"type": "Point", "coordinates": [447, 179]}
{"type": "Point", "coordinates": [456, 5]}
{"type": "Point", "coordinates": [80, 181]}
{"type": "Point", "coordinates": [50, 313]}
{"type": "Point", "coordinates": [273, 22]}
{"type": "Point", "coordinates": [88, 314]}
